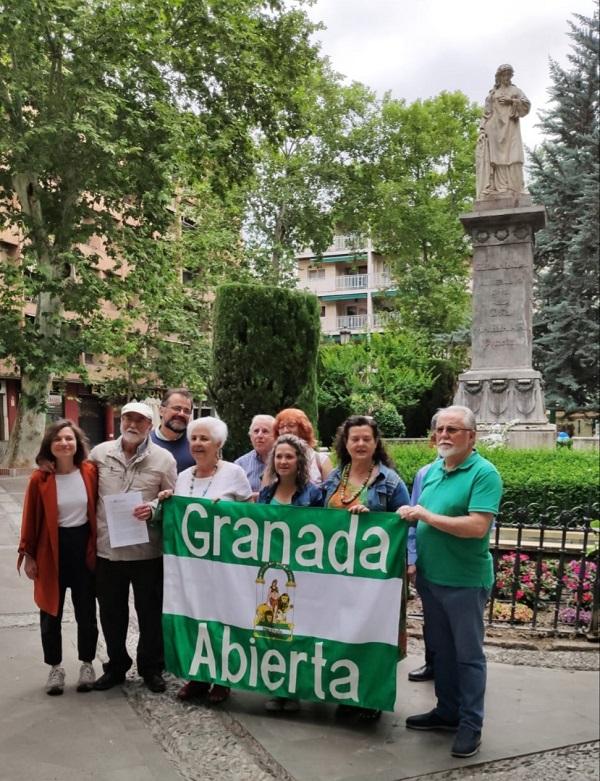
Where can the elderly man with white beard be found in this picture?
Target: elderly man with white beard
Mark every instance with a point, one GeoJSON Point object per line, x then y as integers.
{"type": "Point", "coordinates": [460, 497]}
{"type": "Point", "coordinates": [131, 463]}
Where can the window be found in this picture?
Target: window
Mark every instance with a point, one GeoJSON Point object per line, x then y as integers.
{"type": "Point", "coordinates": [316, 273]}
{"type": "Point", "coordinates": [323, 310]}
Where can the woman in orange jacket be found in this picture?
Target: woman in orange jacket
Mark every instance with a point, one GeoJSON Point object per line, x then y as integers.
{"type": "Point", "coordinates": [58, 547]}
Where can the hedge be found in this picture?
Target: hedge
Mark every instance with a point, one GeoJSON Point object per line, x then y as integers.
{"type": "Point", "coordinates": [548, 478]}
{"type": "Point", "coordinates": [264, 356]}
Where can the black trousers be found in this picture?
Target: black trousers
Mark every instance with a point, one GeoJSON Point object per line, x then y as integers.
{"type": "Point", "coordinates": [74, 574]}
{"type": "Point", "coordinates": [113, 579]}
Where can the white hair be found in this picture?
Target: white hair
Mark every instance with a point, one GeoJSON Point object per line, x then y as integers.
{"type": "Point", "coordinates": [468, 416]}
{"type": "Point", "coordinates": [267, 418]}
{"type": "Point", "coordinates": [217, 429]}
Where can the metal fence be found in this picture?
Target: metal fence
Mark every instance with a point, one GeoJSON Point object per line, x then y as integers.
{"type": "Point", "coordinates": [546, 569]}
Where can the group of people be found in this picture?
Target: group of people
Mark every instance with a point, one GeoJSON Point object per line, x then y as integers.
{"type": "Point", "coordinates": [65, 540]}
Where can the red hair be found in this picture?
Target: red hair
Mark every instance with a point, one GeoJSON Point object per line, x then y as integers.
{"type": "Point", "coordinates": [298, 418]}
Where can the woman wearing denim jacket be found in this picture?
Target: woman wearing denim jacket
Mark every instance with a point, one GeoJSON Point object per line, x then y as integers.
{"type": "Point", "coordinates": [363, 481]}
{"type": "Point", "coordinates": [288, 482]}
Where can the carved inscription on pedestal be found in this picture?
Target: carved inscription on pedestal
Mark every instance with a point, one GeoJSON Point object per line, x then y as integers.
{"type": "Point", "coordinates": [501, 306]}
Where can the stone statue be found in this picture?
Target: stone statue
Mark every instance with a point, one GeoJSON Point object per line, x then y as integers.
{"type": "Point", "coordinates": [499, 146]}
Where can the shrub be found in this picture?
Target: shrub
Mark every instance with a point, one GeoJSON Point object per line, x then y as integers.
{"type": "Point", "coordinates": [579, 574]}
{"type": "Point", "coordinates": [547, 478]}
{"type": "Point", "coordinates": [527, 579]}
{"type": "Point", "coordinates": [568, 615]}
{"type": "Point", "coordinates": [264, 355]}
{"type": "Point", "coordinates": [502, 612]}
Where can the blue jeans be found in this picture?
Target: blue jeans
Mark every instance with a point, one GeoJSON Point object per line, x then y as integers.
{"type": "Point", "coordinates": [454, 625]}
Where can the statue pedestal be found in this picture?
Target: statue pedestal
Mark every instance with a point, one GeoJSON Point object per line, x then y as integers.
{"type": "Point", "coordinates": [501, 385]}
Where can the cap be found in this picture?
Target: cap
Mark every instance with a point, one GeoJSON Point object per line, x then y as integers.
{"type": "Point", "coordinates": [139, 407]}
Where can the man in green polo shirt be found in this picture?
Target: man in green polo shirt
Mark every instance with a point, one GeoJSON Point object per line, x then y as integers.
{"type": "Point", "coordinates": [460, 497]}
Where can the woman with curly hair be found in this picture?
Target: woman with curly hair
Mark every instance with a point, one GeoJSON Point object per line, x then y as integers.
{"type": "Point", "coordinates": [363, 481]}
{"type": "Point", "coordinates": [288, 483]}
{"type": "Point", "coordinates": [294, 421]}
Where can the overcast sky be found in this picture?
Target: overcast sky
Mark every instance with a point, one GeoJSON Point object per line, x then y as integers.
{"type": "Point", "coordinates": [417, 48]}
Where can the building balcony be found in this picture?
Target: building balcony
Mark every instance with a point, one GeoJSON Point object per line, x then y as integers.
{"type": "Point", "coordinates": [350, 242]}
{"type": "Point", "coordinates": [361, 323]}
{"type": "Point", "coordinates": [345, 283]}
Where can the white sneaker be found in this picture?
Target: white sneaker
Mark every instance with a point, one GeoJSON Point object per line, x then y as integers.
{"type": "Point", "coordinates": [87, 677]}
{"type": "Point", "coordinates": [56, 680]}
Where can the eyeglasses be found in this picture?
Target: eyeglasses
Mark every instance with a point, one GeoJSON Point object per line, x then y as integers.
{"type": "Point", "coordinates": [180, 410]}
{"type": "Point", "coordinates": [452, 430]}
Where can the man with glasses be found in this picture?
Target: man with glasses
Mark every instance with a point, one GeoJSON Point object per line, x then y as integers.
{"type": "Point", "coordinates": [176, 410]}
{"type": "Point", "coordinates": [460, 497]}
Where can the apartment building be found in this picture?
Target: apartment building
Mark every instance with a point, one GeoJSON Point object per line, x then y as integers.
{"type": "Point", "coordinates": [353, 285]}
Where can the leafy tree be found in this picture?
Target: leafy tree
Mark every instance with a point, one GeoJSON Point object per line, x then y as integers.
{"type": "Point", "coordinates": [104, 108]}
{"type": "Point", "coordinates": [565, 174]}
{"type": "Point", "coordinates": [384, 377]}
{"type": "Point", "coordinates": [265, 348]}
{"type": "Point", "coordinates": [422, 178]}
{"type": "Point", "coordinates": [300, 180]}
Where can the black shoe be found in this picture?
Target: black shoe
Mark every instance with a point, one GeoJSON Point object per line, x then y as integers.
{"type": "Point", "coordinates": [430, 721]}
{"type": "Point", "coordinates": [424, 673]}
{"type": "Point", "coordinates": [108, 680]}
{"type": "Point", "coordinates": [155, 682]}
{"type": "Point", "coordinates": [192, 690]}
{"type": "Point", "coordinates": [466, 743]}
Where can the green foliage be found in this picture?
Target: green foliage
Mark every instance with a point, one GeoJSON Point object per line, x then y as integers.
{"type": "Point", "coordinates": [264, 355]}
{"type": "Point", "coordinates": [105, 108]}
{"type": "Point", "coordinates": [565, 173]}
{"type": "Point", "coordinates": [299, 180]}
{"type": "Point", "coordinates": [441, 393]}
{"type": "Point", "coordinates": [381, 377]}
{"type": "Point", "coordinates": [422, 178]}
{"type": "Point", "coordinates": [548, 478]}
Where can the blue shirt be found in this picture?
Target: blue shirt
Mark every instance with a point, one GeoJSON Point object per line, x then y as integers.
{"type": "Point", "coordinates": [385, 494]}
{"type": "Point", "coordinates": [411, 544]}
{"type": "Point", "coordinates": [179, 448]}
{"type": "Point", "coordinates": [254, 468]}
{"type": "Point", "coordinates": [309, 496]}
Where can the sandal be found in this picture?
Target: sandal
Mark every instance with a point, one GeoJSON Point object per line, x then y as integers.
{"type": "Point", "coordinates": [218, 693]}
{"type": "Point", "coordinates": [192, 690]}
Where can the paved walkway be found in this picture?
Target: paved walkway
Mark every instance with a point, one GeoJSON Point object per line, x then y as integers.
{"type": "Point", "coordinates": [143, 737]}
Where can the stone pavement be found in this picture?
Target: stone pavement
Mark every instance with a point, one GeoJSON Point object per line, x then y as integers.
{"type": "Point", "coordinates": [128, 733]}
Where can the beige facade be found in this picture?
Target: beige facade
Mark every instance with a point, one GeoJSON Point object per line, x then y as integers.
{"type": "Point", "coordinates": [352, 283]}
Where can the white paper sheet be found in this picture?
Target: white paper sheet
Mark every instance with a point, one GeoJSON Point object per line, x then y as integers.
{"type": "Point", "coordinates": [123, 527]}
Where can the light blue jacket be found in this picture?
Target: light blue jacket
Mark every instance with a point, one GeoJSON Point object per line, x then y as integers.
{"type": "Point", "coordinates": [385, 494]}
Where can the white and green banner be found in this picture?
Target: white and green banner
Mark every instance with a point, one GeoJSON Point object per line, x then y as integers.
{"type": "Point", "coordinates": [287, 601]}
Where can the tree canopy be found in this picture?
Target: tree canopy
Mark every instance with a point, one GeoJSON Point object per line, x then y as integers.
{"type": "Point", "coordinates": [422, 179]}
{"type": "Point", "coordinates": [565, 173]}
{"type": "Point", "coordinates": [106, 109]}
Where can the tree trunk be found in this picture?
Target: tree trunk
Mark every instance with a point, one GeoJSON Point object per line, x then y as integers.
{"type": "Point", "coordinates": [27, 435]}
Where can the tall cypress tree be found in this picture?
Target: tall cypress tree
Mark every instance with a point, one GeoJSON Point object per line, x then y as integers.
{"type": "Point", "coordinates": [265, 345]}
{"type": "Point", "coordinates": [565, 176]}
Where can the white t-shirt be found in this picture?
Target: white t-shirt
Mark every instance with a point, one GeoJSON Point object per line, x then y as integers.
{"type": "Point", "coordinates": [71, 498]}
{"type": "Point", "coordinates": [229, 482]}
{"type": "Point", "coordinates": [314, 466]}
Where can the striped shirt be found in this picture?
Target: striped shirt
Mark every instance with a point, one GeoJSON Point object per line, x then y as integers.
{"type": "Point", "coordinates": [254, 467]}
